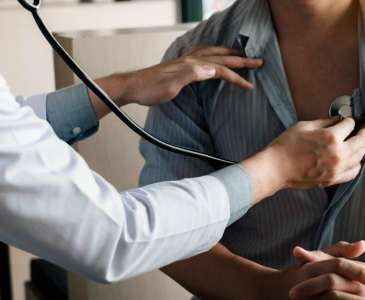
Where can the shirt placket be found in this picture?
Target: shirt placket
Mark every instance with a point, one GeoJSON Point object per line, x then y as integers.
{"type": "Point", "coordinates": [345, 191]}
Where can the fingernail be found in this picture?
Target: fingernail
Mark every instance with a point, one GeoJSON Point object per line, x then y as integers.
{"type": "Point", "coordinates": [294, 294]}
{"type": "Point", "coordinates": [209, 71]}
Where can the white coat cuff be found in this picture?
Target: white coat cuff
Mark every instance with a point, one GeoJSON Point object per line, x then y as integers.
{"type": "Point", "coordinates": [37, 103]}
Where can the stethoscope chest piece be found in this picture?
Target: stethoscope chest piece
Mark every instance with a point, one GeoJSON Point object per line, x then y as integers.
{"type": "Point", "coordinates": [342, 106]}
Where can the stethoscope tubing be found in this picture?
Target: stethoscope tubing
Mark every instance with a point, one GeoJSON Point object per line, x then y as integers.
{"type": "Point", "coordinates": [34, 9]}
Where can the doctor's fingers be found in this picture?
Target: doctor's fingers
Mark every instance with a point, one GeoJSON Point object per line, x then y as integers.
{"type": "Point", "coordinates": [320, 124]}
{"type": "Point", "coordinates": [199, 73]}
{"type": "Point", "coordinates": [232, 77]}
{"type": "Point", "coordinates": [347, 175]}
{"type": "Point", "coordinates": [342, 165]}
{"type": "Point", "coordinates": [342, 129]}
{"type": "Point", "coordinates": [213, 50]}
{"type": "Point", "coordinates": [325, 283]}
{"type": "Point", "coordinates": [232, 62]}
{"type": "Point", "coordinates": [354, 144]}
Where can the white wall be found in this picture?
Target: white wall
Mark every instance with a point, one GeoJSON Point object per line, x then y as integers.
{"type": "Point", "coordinates": [26, 60]}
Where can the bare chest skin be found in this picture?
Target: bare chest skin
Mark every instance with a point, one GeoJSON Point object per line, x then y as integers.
{"type": "Point", "coordinates": [317, 77]}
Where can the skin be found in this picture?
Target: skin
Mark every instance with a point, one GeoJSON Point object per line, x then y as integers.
{"type": "Point", "coordinates": [307, 140]}
{"type": "Point", "coordinates": [325, 154]}
{"type": "Point", "coordinates": [219, 274]}
{"type": "Point", "coordinates": [344, 278]}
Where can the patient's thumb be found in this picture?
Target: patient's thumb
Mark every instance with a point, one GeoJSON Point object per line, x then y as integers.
{"type": "Point", "coordinates": [303, 256]}
{"type": "Point", "coordinates": [346, 250]}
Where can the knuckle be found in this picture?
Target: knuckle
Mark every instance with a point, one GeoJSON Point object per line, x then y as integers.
{"type": "Point", "coordinates": [330, 178]}
{"type": "Point", "coordinates": [338, 264]}
{"type": "Point", "coordinates": [358, 288]}
{"type": "Point", "coordinates": [330, 281]}
{"type": "Point", "coordinates": [187, 60]}
{"type": "Point", "coordinates": [335, 159]}
{"type": "Point", "coordinates": [342, 244]}
{"type": "Point", "coordinates": [361, 274]}
{"type": "Point", "coordinates": [302, 123]}
{"type": "Point", "coordinates": [332, 139]}
{"type": "Point", "coordinates": [194, 71]}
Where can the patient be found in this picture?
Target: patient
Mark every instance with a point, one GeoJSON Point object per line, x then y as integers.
{"type": "Point", "coordinates": [310, 50]}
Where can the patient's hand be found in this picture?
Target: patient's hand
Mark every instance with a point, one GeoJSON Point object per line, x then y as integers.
{"type": "Point", "coordinates": [333, 274]}
{"type": "Point", "coordinates": [327, 274]}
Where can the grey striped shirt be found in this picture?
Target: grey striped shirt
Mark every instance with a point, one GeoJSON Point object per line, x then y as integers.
{"type": "Point", "coordinates": [224, 120]}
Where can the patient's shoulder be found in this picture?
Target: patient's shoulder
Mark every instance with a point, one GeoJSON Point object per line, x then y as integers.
{"type": "Point", "coordinates": [220, 29]}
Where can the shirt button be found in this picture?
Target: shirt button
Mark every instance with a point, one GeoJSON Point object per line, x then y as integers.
{"type": "Point", "coordinates": [76, 131]}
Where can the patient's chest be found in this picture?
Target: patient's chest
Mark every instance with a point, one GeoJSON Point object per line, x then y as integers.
{"type": "Point", "coordinates": [318, 76]}
{"type": "Point", "coordinates": [242, 123]}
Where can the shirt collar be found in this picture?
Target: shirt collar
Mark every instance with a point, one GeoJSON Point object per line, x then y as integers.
{"type": "Point", "coordinates": [256, 29]}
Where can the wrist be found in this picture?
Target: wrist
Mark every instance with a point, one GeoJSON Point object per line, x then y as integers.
{"type": "Point", "coordinates": [258, 285]}
{"type": "Point", "coordinates": [126, 89]}
{"type": "Point", "coordinates": [265, 173]}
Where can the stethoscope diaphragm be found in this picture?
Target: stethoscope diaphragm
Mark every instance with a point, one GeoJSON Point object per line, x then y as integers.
{"type": "Point", "coordinates": [342, 106]}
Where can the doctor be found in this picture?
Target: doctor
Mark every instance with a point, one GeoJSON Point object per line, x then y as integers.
{"type": "Point", "coordinates": [53, 205]}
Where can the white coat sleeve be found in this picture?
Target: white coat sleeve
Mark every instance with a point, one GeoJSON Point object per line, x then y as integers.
{"type": "Point", "coordinates": [54, 206]}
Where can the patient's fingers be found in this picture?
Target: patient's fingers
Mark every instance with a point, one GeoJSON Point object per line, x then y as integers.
{"type": "Point", "coordinates": [324, 283]}
{"type": "Point", "coordinates": [340, 266]}
{"type": "Point", "coordinates": [337, 295]}
{"type": "Point", "coordinates": [341, 249]}
{"type": "Point", "coordinates": [346, 250]}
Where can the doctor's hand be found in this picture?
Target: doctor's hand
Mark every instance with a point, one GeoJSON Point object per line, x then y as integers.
{"type": "Point", "coordinates": [163, 82]}
{"type": "Point", "coordinates": [308, 155]}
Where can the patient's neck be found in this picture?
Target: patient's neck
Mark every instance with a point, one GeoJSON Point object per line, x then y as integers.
{"type": "Point", "coordinates": [314, 20]}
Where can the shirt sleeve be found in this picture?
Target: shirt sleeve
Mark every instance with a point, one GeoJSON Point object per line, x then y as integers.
{"type": "Point", "coordinates": [68, 110]}
{"type": "Point", "coordinates": [183, 122]}
{"type": "Point", "coordinates": [54, 206]}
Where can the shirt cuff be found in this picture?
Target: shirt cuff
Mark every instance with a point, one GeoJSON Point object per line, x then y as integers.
{"type": "Point", "coordinates": [70, 113]}
{"type": "Point", "coordinates": [37, 103]}
{"type": "Point", "coordinates": [238, 183]}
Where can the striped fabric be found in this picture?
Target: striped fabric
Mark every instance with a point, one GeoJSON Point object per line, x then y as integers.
{"type": "Point", "coordinates": [226, 121]}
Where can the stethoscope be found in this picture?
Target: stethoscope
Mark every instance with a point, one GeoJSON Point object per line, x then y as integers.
{"type": "Point", "coordinates": [34, 9]}
{"type": "Point", "coordinates": [343, 106]}
{"type": "Point", "coordinates": [346, 106]}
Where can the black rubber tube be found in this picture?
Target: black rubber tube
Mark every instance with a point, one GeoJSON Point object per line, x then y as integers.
{"type": "Point", "coordinates": [114, 108]}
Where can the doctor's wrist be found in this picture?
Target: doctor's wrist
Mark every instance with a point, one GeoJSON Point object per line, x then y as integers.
{"type": "Point", "coordinates": [119, 87]}
{"type": "Point", "coordinates": [265, 174]}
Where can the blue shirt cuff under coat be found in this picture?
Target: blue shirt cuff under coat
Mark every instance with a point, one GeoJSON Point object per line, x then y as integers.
{"type": "Point", "coordinates": [238, 183]}
{"type": "Point", "coordinates": [71, 115]}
